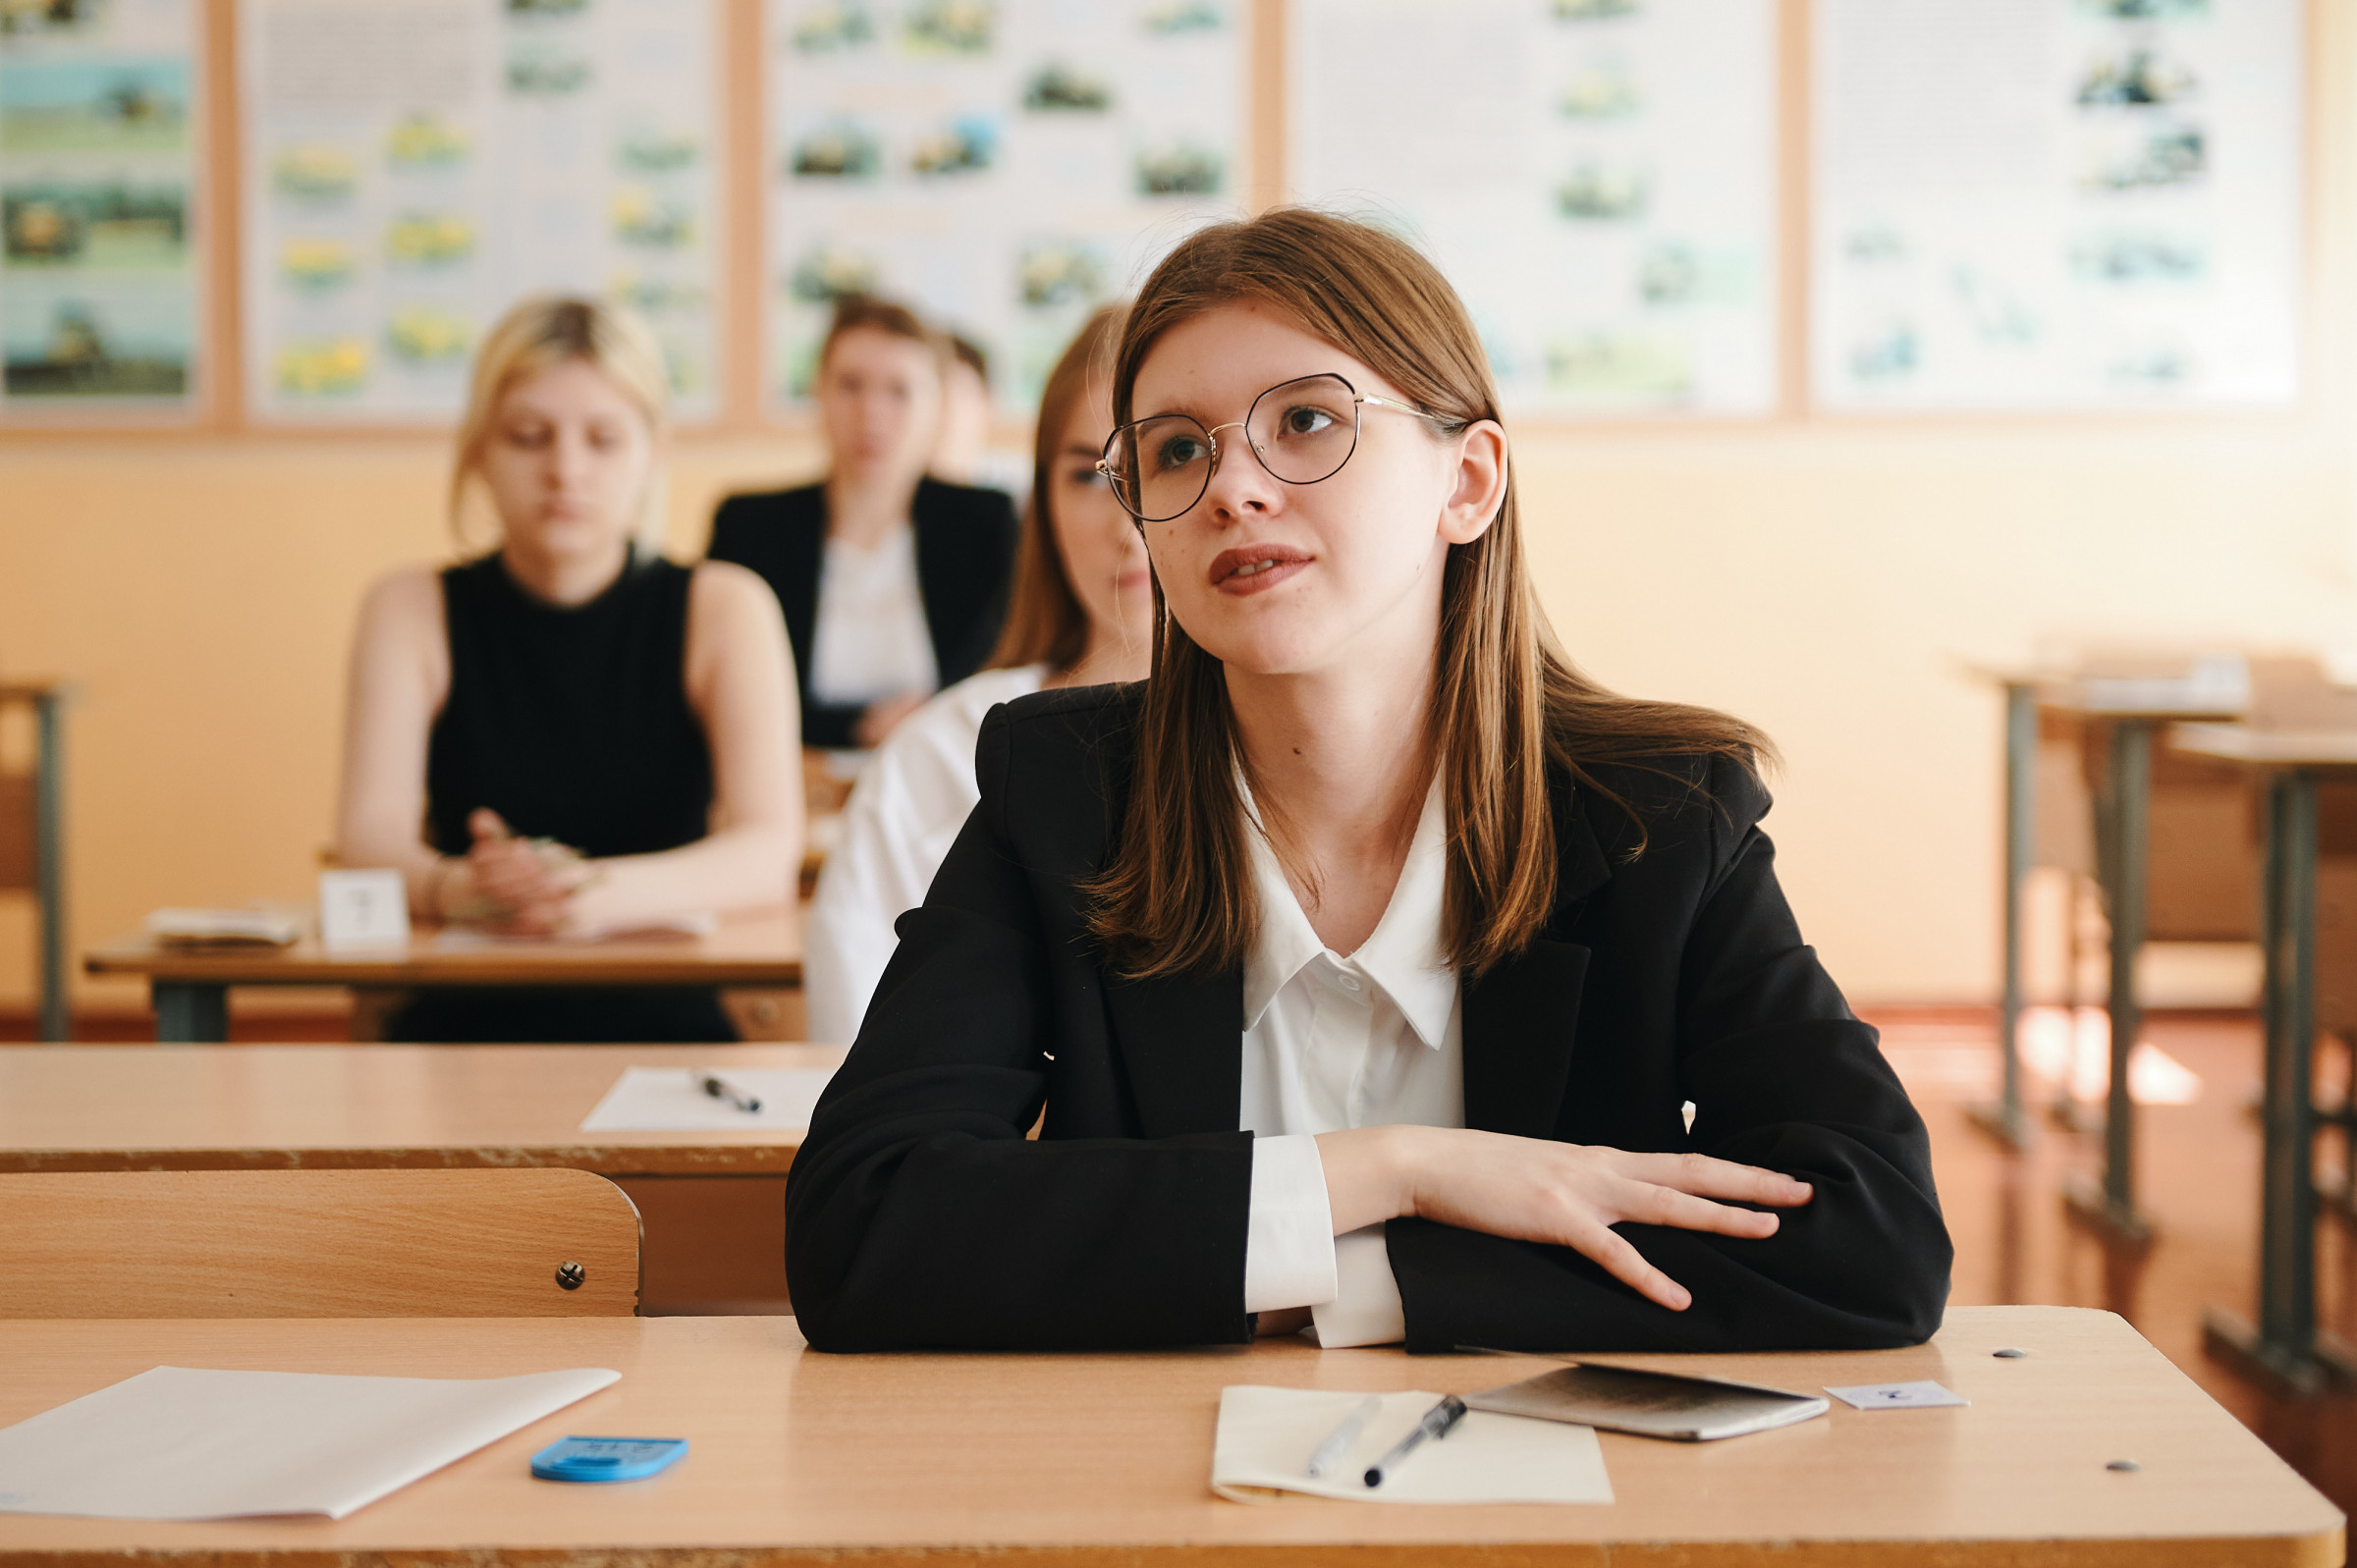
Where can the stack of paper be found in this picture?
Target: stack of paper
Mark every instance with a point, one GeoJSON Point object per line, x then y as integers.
{"type": "Point", "coordinates": [179, 1444]}
{"type": "Point", "coordinates": [225, 928]}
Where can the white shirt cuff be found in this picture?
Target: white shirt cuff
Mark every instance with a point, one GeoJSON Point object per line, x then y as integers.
{"type": "Point", "coordinates": [1288, 1239]}
{"type": "Point", "coordinates": [1366, 1309]}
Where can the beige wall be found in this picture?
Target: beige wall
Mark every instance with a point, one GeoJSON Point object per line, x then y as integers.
{"type": "Point", "coordinates": [1821, 578]}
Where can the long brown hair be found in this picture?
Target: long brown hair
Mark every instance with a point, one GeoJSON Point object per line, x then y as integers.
{"type": "Point", "coordinates": [1045, 620]}
{"type": "Point", "coordinates": [1507, 703]}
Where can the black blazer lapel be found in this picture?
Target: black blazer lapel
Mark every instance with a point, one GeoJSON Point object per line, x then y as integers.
{"type": "Point", "coordinates": [1183, 1043]}
{"type": "Point", "coordinates": [802, 550]}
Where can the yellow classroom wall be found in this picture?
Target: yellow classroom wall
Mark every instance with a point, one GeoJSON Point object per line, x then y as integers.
{"type": "Point", "coordinates": [1823, 578]}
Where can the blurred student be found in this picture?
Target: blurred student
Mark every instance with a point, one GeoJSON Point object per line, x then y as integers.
{"type": "Point", "coordinates": [1082, 614]}
{"type": "Point", "coordinates": [1360, 960]}
{"type": "Point", "coordinates": [894, 584]}
{"type": "Point", "coordinates": [962, 453]}
{"type": "Point", "coordinates": [592, 737]}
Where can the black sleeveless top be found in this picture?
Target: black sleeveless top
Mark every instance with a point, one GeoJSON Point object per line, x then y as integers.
{"type": "Point", "coordinates": [571, 722]}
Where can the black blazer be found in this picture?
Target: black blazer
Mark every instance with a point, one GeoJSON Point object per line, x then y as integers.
{"type": "Point", "coordinates": [965, 555]}
{"type": "Point", "coordinates": [918, 1215]}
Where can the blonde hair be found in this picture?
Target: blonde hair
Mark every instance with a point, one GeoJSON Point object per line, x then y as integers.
{"type": "Point", "coordinates": [540, 334]}
{"type": "Point", "coordinates": [1508, 706]}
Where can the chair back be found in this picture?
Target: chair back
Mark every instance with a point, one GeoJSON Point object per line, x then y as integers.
{"type": "Point", "coordinates": [19, 854]}
{"type": "Point", "coordinates": [316, 1244]}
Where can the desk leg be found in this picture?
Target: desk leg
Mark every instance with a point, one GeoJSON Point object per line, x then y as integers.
{"type": "Point", "coordinates": [2004, 1121]}
{"type": "Point", "coordinates": [2285, 1347]}
{"type": "Point", "coordinates": [2125, 794]}
{"type": "Point", "coordinates": [189, 1014]}
{"type": "Point", "coordinates": [49, 859]}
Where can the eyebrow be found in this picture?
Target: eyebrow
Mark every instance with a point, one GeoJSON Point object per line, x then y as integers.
{"type": "Point", "coordinates": [1073, 449]}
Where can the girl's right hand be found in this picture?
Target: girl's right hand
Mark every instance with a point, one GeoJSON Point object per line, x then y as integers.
{"type": "Point", "coordinates": [1534, 1189]}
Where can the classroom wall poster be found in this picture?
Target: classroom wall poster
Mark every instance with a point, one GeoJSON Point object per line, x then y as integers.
{"type": "Point", "coordinates": [2056, 203]}
{"type": "Point", "coordinates": [100, 136]}
{"type": "Point", "coordinates": [1598, 178]}
{"type": "Point", "coordinates": [1001, 165]}
{"type": "Point", "coordinates": [415, 167]}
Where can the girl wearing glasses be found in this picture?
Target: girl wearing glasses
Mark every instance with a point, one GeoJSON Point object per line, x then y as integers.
{"type": "Point", "coordinates": [1366, 959]}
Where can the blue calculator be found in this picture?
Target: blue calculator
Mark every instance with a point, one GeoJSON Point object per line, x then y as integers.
{"type": "Point", "coordinates": [607, 1458]}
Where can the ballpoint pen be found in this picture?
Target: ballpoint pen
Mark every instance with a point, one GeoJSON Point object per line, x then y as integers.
{"type": "Point", "coordinates": [1337, 1442]}
{"type": "Point", "coordinates": [1436, 1423]}
{"type": "Point", "coordinates": [721, 1089]}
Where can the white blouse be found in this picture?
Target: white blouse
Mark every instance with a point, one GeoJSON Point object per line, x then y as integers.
{"type": "Point", "coordinates": [904, 814]}
{"type": "Point", "coordinates": [1332, 1043]}
{"type": "Point", "coordinates": [871, 639]}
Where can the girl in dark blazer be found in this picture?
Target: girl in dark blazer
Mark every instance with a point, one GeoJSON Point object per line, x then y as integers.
{"type": "Point", "coordinates": [939, 555]}
{"type": "Point", "coordinates": [1366, 959]}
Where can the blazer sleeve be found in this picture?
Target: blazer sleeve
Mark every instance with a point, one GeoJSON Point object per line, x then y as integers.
{"type": "Point", "coordinates": [1782, 1076]}
{"type": "Point", "coordinates": [918, 1212]}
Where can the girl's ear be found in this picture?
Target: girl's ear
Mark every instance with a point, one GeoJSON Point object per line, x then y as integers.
{"type": "Point", "coordinates": [1480, 489]}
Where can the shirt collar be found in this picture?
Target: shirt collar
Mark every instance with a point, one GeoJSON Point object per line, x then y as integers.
{"type": "Point", "coordinates": [1403, 957]}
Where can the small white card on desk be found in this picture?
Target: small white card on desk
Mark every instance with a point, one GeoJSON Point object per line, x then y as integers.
{"type": "Point", "coordinates": [1266, 1436]}
{"type": "Point", "coordinates": [364, 909]}
{"type": "Point", "coordinates": [177, 1442]}
{"type": "Point", "coordinates": [1923, 1395]}
{"type": "Point", "coordinates": [672, 1099]}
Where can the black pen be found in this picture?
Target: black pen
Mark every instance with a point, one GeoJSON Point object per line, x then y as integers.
{"type": "Point", "coordinates": [1436, 1423]}
{"type": "Point", "coordinates": [721, 1089]}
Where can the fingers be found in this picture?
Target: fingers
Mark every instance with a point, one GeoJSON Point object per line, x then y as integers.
{"type": "Point", "coordinates": [1707, 1177]}
{"type": "Point", "coordinates": [486, 824]}
{"type": "Point", "coordinates": [1629, 1265]}
{"type": "Point", "coordinates": [1650, 1204]}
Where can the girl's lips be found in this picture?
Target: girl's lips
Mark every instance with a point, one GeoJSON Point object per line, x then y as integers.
{"type": "Point", "coordinates": [1255, 568]}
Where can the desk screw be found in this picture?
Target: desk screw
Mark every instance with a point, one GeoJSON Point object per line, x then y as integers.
{"type": "Point", "coordinates": [570, 1275]}
{"type": "Point", "coordinates": [2009, 1355]}
{"type": "Point", "coordinates": [2126, 1466]}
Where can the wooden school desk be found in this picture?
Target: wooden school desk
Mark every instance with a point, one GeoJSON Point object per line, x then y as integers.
{"type": "Point", "coordinates": [2285, 1344]}
{"type": "Point", "coordinates": [2128, 711]}
{"type": "Point", "coordinates": [1073, 1460]}
{"type": "Point", "coordinates": [712, 1203]}
{"type": "Point", "coordinates": [191, 986]}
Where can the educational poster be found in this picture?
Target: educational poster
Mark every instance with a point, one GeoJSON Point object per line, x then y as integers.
{"type": "Point", "coordinates": [415, 167]}
{"type": "Point", "coordinates": [2056, 203]}
{"type": "Point", "coordinates": [1001, 165]}
{"type": "Point", "coordinates": [1598, 178]}
{"type": "Point", "coordinates": [100, 135]}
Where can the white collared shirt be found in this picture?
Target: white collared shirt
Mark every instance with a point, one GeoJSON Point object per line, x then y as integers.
{"type": "Point", "coordinates": [1332, 1043]}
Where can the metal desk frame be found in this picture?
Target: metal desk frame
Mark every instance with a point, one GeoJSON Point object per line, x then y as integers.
{"type": "Point", "coordinates": [2121, 812]}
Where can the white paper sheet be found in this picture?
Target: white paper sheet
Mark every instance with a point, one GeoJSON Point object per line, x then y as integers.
{"type": "Point", "coordinates": [1266, 1435]}
{"type": "Point", "coordinates": [178, 1442]}
{"type": "Point", "coordinates": [667, 1100]}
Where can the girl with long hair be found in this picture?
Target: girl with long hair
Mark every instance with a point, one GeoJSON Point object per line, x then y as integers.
{"type": "Point", "coordinates": [1361, 964]}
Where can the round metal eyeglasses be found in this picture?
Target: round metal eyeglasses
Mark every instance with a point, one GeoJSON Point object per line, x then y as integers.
{"type": "Point", "coordinates": [1302, 431]}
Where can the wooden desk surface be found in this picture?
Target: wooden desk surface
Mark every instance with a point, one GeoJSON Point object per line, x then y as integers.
{"type": "Point", "coordinates": [756, 949]}
{"type": "Point", "coordinates": [2267, 748]}
{"type": "Point", "coordinates": [275, 1108]}
{"type": "Point", "coordinates": [1105, 1459]}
